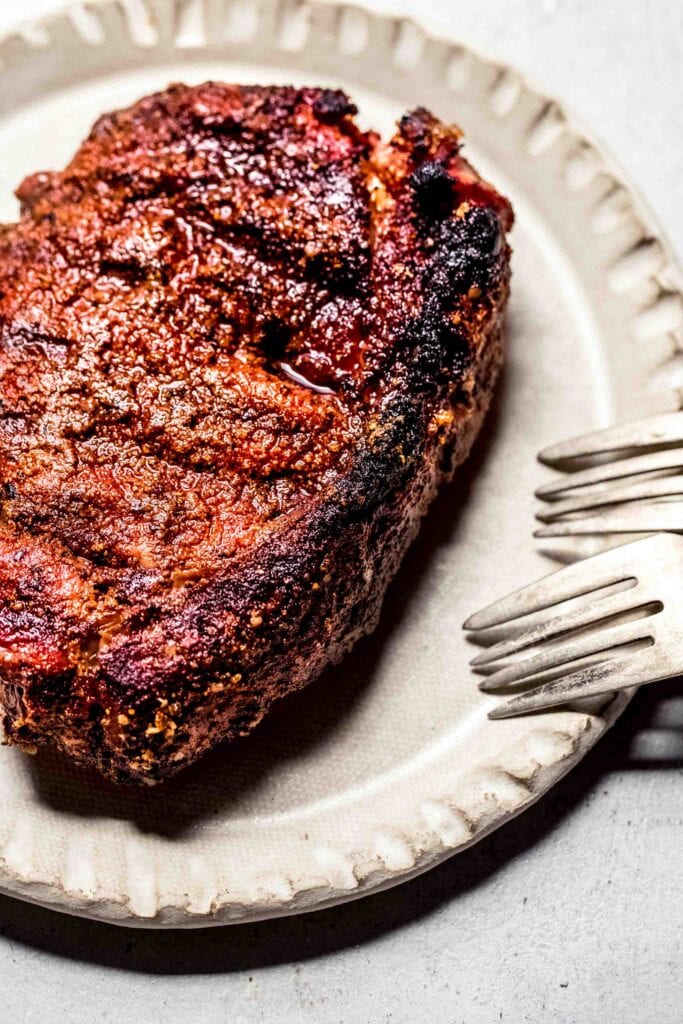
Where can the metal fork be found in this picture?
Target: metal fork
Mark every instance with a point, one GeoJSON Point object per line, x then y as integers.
{"type": "Point", "coordinates": [613, 641]}
{"type": "Point", "coordinates": [632, 489]}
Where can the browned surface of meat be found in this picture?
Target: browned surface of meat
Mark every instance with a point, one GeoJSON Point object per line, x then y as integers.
{"type": "Point", "coordinates": [241, 343]}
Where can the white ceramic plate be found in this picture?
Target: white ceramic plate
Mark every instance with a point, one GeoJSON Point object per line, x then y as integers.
{"type": "Point", "coordinates": [389, 763]}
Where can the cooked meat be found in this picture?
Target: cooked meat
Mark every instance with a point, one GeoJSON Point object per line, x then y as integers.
{"type": "Point", "coordinates": [241, 344]}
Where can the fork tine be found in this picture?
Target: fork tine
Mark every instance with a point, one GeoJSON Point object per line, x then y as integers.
{"type": "Point", "coordinates": [644, 489]}
{"type": "Point", "coordinates": [573, 650]}
{"type": "Point", "coordinates": [602, 570]}
{"type": "Point", "coordinates": [598, 611]}
{"type": "Point", "coordinates": [656, 431]}
{"type": "Point", "coordinates": [605, 677]}
{"type": "Point", "coordinates": [670, 458]}
{"type": "Point", "coordinates": [657, 517]}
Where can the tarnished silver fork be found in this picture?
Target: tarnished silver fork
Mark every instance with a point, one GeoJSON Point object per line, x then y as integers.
{"type": "Point", "coordinates": [633, 483]}
{"type": "Point", "coordinates": [628, 631]}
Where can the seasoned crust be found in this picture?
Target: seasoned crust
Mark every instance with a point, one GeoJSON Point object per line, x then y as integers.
{"type": "Point", "coordinates": [242, 343]}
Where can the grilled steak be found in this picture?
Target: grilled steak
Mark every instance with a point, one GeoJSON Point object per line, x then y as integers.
{"type": "Point", "coordinates": [241, 344]}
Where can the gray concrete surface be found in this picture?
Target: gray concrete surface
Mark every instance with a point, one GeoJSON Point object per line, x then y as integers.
{"type": "Point", "coordinates": [572, 914]}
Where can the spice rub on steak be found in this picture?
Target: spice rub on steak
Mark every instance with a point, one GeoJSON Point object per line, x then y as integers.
{"type": "Point", "coordinates": [241, 344]}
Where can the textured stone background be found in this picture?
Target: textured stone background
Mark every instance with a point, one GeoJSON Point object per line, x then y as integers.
{"type": "Point", "coordinates": [570, 915]}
